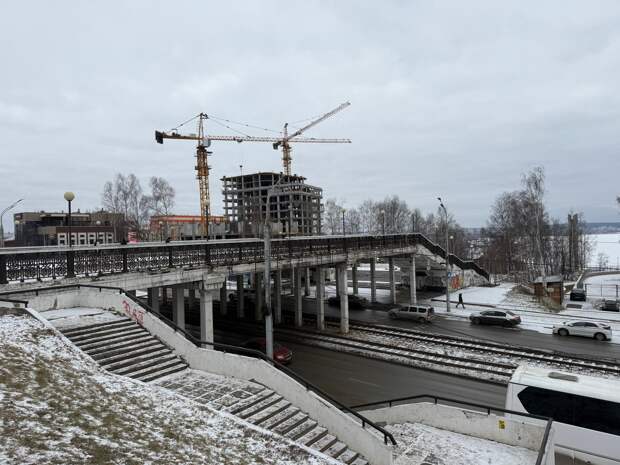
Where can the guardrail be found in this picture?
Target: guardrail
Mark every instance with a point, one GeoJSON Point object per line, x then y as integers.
{"type": "Point", "coordinates": [436, 399]}
{"type": "Point", "coordinates": [42, 263]}
{"type": "Point", "coordinates": [223, 348]}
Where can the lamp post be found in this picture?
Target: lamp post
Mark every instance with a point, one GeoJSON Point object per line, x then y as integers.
{"type": "Point", "coordinates": [161, 231]}
{"type": "Point", "coordinates": [383, 220]}
{"type": "Point", "coordinates": [69, 196]}
{"type": "Point", "coordinates": [447, 256]}
{"type": "Point", "coordinates": [2, 222]}
{"type": "Point", "coordinates": [343, 230]}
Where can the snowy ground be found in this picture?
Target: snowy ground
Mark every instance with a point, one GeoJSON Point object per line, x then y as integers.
{"type": "Point", "coordinates": [58, 407]}
{"type": "Point", "coordinates": [608, 244]}
{"type": "Point", "coordinates": [603, 287]}
{"type": "Point", "coordinates": [534, 316]}
{"type": "Point", "coordinates": [420, 444]}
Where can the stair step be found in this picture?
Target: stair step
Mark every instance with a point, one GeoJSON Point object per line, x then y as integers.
{"type": "Point", "coordinates": [291, 424]}
{"type": "Point", "coordinates": [162, 373]}
{"type": "Point", "coordinates": [111, 350]}
{"type": "Point", "coordinates": [261, 407]}
{"type": "Point", "coordinates": [313, 436]}
{"type": "Point", "coordinates": [79, 329]}
{"type": "Point", "coordinates": [266, 393]}
{"type": "Point", "coordinates": [109, 337]}
{"type": "Point", "coordinates": [123, 337]}
{"type": "Point", "coordinates": [359, 461]}
{"type": "Point", "coordinates": [140, 365]}
{"type": "Point", "coordinates": [302, 429]}
{"type": "Point", "coordinates": [325, 442]}
{"type": "Point", "coordinates": [115, 361]}
{"type": "Point", "coordinates": [100, 330]}
{"type": "Point", "coordinates": [336, 450]}
{"type": "Point", "coordinates": [348, 456]}
{"type": "Point", "coordinates": [145, 372]}
{"type": "Point", "coordinates": [271, 412]}
{"type": "Point", "coordinates": [281, 417]}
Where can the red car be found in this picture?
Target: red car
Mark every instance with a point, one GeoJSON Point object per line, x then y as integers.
{"type": "Point", "coordinates": [281, 354]}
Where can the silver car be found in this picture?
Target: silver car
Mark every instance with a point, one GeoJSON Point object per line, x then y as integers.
{"type": "Point", "coordinates": [599, 331]}
{"type": "Point", "coordinates": [420, 313]}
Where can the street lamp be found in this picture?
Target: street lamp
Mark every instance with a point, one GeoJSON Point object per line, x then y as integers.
{"type": "Point", "coordinates": [343, 230]}
{"type": "Point", "coordinates": [161, 231]}
{"type": "Point", "coordinates": [383, 220]}
{"type": "Point", "coordinates": [2, 223]}
{"type": "Point", "coordinates": [69, 196]}
{"type": "Point", "coordinates": [447, 256]}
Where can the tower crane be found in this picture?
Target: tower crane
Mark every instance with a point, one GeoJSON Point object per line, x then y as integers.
{"type": "Point", "coordinates": [204, 141]}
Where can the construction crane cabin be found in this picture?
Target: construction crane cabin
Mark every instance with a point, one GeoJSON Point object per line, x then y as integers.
{"type": "Point", "coordinates": [204, 141]}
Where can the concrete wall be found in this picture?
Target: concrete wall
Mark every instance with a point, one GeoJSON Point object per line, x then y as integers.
{"type": "Point", "coordinates": [469, 422]}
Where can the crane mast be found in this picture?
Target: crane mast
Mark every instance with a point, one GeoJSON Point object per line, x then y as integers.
{"type": "Point", "coordinates": [202, 174]}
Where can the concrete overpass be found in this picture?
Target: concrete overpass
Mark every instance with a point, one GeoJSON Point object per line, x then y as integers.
{"type": "Point", "coordinates": [187, 267]}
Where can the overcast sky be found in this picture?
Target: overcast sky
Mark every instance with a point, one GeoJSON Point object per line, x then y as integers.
{"type": "Point", "coordinates": [453, 99]}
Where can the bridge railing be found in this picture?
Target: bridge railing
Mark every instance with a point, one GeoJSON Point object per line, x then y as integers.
{"type": "Point", "coordinates": [49, 263]}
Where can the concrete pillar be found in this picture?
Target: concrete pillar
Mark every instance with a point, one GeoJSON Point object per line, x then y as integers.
{"type": "Point", "coordinates": [337, 274]}
{"type": "Point", "coordinates": [154, 299]}
{"type": "Point", "coordinates": [223, 299]}
{"type": "Point", "coordinates": [298, 299]}
{"type": "Point", "coordinates": [319, 280]}
{"type": "Point", "coordinates": [277, 308]}
{"type": "Point", "coordinates": [373, 280]}
{"type": "Point", "coordinates": [413, 291]}
{"type": "Point", "coordinates": [178, 306]}
{"type": "Point", "coordinates": [258, 296]}
{"type": "Point", "coordinates": [392, 281]}
{"type": "Point", "coordinates": [240, 297]}
{"type": "Point", "coordinates": [344, 300]}
{"type": "Point", "coordinates": [164, 295]}
{"type": "Point", "coordinates": [206, 316]}
{"type": "Point", "coordinates": [307, 281]}
{"type": "Point", "coordinates": [354, 279]}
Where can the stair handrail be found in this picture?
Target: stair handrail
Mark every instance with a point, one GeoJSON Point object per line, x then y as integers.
{"type": "Point", "coordinates": [543, 444]}
{"type": "Point", "coordinates": [231, 348]}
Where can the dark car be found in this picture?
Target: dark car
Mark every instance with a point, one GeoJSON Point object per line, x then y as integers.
{"type": "Point", "coordinates": [281, 354]}
{"type": "Point", "coordinates": [578, 294]}
{"type": "Point", "coordinates": [355, 302]}
{"type": "Point", "coordinates": [495, 317]}
{"type": "Point", "coordinates": [610, 305]}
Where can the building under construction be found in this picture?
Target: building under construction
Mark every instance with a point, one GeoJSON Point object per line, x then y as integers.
{"type": "Point", "coordinates": [294, 206]}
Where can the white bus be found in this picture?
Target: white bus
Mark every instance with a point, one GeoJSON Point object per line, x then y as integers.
{"type": "Point", "coordinates": [585, 410]}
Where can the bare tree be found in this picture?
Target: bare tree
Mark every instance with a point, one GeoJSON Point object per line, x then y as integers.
{"type": "Point", "coordinates": [332, 217]}
{"type": "Point", "coordinates": [162, 196]}
{"type": "Point", "coordinates": [124, 195]}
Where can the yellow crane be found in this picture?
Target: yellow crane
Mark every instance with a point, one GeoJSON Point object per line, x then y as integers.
{"type": "Point", "coordinates": [204, 141]}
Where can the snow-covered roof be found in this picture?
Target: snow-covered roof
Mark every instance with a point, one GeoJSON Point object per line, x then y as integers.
{"type": "Point", "coordinates": [582, 385]}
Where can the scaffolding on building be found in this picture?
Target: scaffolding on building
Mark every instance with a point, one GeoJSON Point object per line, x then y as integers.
{"type": "Point", "coordinates": [295, 207]}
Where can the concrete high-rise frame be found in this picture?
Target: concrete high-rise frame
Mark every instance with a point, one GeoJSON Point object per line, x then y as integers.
{"type": "Point", "coordinates": [295, 209]}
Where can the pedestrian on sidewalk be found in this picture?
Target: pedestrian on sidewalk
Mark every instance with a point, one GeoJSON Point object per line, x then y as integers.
{"type": "Point", "coordinates": [460, 301]}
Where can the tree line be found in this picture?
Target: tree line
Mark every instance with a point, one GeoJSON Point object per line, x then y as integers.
{"type": "Point", "coordinates": [124, 194]}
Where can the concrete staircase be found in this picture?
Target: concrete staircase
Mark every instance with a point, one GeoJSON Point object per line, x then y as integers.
{"type": "Point", "coordinates": [123, 347]}
{"type": "Point", "coordinates": [269, 410]}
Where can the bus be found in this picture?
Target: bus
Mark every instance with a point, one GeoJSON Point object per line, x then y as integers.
{"type": "Point", "coordinates": [585, 410]}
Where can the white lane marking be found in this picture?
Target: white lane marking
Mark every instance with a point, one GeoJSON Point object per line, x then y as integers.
{"type": "Point", "coordinates": [364, 382]}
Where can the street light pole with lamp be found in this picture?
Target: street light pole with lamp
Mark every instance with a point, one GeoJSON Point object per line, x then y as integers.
{"type": "Point", "coordinates": [383, 220]}
{"type": "Point", "coordinates": [343, 229]}
{"type": "Point", "coordinates": [69, 196]}
{"type": "Point", "coordinates": [447, 256]}
{"type": "Point", "coordinates": [2, 222]}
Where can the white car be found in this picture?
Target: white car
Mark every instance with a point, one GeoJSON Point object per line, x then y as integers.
{"type": "Point", "coordinates": [599, 331]}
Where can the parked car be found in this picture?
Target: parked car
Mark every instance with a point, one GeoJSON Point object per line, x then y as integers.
{"type": "Point", "coordinates": [281, 354]}
{"type": "Point", "coordinates": [610, 305]}
{"type": "Point", "coordinates": [599, 331]}
{"type": "Point", "coordinates": [495, 317]}
{"type": "Point", "coordinates": [420, 313]}
{"type": "Point", "coordinates": [578, 294]}
{"type": "Point", "coordinates": [355, 302]}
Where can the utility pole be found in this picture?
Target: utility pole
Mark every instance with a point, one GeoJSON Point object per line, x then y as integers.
{"type": "Point", "coordinates": [2, 223]}
{"type": "Point", "coordinates": [447, 256]}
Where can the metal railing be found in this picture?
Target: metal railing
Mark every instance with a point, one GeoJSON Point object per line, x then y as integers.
{"type": "Point", "coordinates": [436, 400]}
{"type": "Point", "coordinates": [42, 263]}
{"type": "Point", "coordinates": [223, 348]}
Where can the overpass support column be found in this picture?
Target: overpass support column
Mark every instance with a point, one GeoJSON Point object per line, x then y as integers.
{"type": "Point", "coordinates": [319, 280]}
{"type": "Point", "coordinates": [277, 308]}
{"type": "Point", "coordinates": [413, 297]}
{"type": "Point", "coordinates": [373, 280]}
{"type": "Point", "coordinates": [298, 299]}
{"type": "Point", "coordinates": [191, 297]}
{"type": "Point", "coordinates": [258, 296]}
{"type": "Point", "coordinates": [154, 299]}
{"type": "Point", "coordinates": [178, 305]}
{"type": "Point", "coordinates": [344, 300]}
{"type": "Point", "coordinates": [307, 281]}
{"type": "Point", "coordinates": [354, 279]}
{"type": "Point", "coordinates": [206, 315]}
{"type": "Point", "coordinates": [337, 274]}
{"type": "Point", "coordinates": [240, 297]}
{"type": "Point", "coordinates": [392, 281]}
{"type": "Point", "coordinates": [223, 299]}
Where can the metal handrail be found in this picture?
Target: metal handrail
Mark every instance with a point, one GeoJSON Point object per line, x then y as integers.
{"type": "Point", "coordinates": [549, 421]}
{"type": "Point", "coordinates": [224, 348]}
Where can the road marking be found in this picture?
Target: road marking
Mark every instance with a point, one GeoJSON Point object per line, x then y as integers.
{"type": "Point", "coordinates": [364, 382]}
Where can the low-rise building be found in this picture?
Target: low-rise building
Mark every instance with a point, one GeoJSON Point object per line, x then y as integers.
{"type": "Point", "coordinates": [185, 227]}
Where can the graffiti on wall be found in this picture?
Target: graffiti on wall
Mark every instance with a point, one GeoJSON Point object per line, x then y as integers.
{"type": "Point", "coordinates": [133, 311]}
{"type": "Point", "coordinates": [456, 282]}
